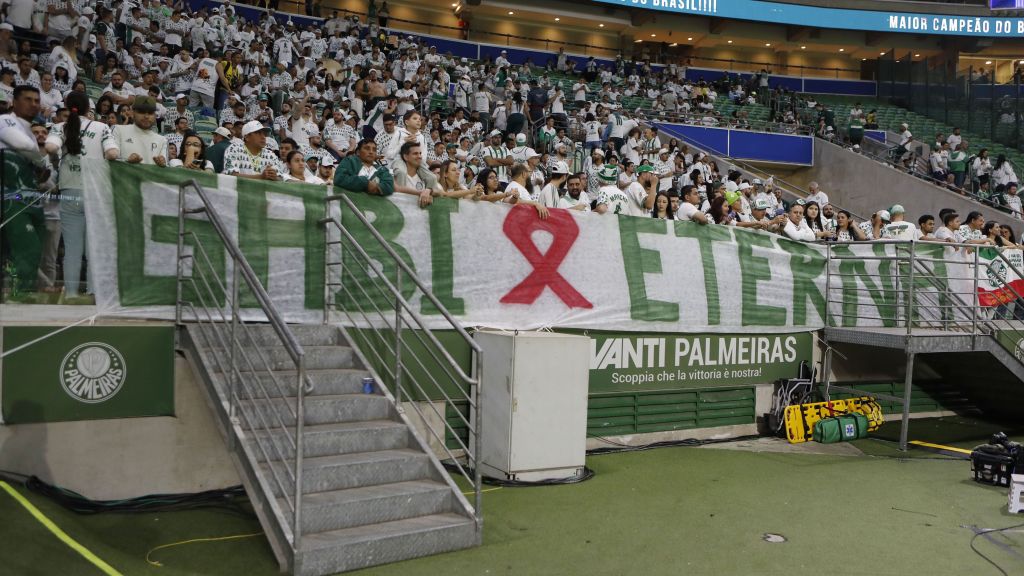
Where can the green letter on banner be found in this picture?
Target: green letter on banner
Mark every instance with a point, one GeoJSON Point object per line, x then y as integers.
{"type": "Point", "coordinates": [639, 261]}
{"type": "Point", "coordinates": [135, 287]}
{"type": "Point", "coordinates": [882, 294]}
{"type": "Point", "coordinates": [754, 269]}
{"type": "Point", "coordinates": [442, 258]}
{"type": "Point", "coordinates": [807, 265]}
{"type": "Point", "coordinates": [258, 233]}
{"type": "Point", "coordinates": [706, 236]}
{"type": "Point", "coordinates": [362, 288]}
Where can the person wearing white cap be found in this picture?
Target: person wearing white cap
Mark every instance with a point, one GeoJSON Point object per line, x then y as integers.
{"type": "Point", "coordinates": [339, 136]}
{"type": "Point", "coordinates": [519, 151]}
{"type": "Point", "coordinates": [326, 169]}
{"type": "Point", "coordinates": [497, 157]}
{"type": "Point", "coordinates": [502, 60]}
{"type": "Point", "coordinates": [180, 110]}
{"type": "Point", "coordinates": [551, 192]}
{"type": "Point", "coordinates": [251, 158]}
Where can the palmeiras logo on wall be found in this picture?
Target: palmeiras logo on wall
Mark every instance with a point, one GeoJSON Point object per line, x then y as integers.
{"type": "Point", "coordinates": [92, 372]}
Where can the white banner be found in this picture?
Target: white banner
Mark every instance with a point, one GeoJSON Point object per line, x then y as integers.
{"type": "Point", "coordinates": [491, 265]}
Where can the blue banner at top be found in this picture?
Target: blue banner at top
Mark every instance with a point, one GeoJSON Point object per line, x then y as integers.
{"type": "Point", "coordinates": [839, 18]}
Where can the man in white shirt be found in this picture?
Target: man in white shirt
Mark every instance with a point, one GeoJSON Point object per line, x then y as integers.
{"type": "Point", "coordinates": [898, 228]}
{"type": "Point", "coordinates": [814, 194]}
{"type": "Point", "coordinates": [138, 142]}
{"type": "Point", "coordinates": [251, 158]}
{"type": "Point", "coordinates": [689, 208]}
{"type": "Point", "coordinates": [796, 227]}
{"type": "Point", "coordinates": [636, 199]}
{"type": "Point", "coordinates": [950, 222]}
{"type": "Point", "coordinates": [119, 91]}
{"type": "Point", "coordinates": [574, 198]}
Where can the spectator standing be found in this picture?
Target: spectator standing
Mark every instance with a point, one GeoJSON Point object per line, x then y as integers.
{"type": "Point", "coordinates": [138, 142]}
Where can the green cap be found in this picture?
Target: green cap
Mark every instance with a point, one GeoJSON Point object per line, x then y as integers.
{"type": "Point", "coordinates": [144, 104]}
{"type": "Point", "coordinates": [731, 198]}
{"type": "Point", "coordinates": [608, 173]}
{"type": "Point", "coordinates": [644, 168]}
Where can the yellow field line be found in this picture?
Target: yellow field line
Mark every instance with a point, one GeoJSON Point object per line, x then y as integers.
{"type": "Point", "coordinates": [60, 534]}
{"type": "Point", "coordinates": [940, 447]}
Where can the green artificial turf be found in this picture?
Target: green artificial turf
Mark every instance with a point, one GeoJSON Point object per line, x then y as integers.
{"type": "Point", "coordinates": [665, 511]}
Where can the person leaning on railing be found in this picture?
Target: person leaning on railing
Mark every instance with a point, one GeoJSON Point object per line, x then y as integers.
{"type": "Point", "coordinates": [359, 172]}
{"type": "Point", "coordinates": [24, 227]}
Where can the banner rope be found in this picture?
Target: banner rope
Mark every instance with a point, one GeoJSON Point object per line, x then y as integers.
{"type": "Point", "coordinates": [90, 319]}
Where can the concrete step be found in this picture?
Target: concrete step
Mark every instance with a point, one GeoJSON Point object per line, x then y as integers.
{"type": "Point", "coordinates": [340, 438]}
{"type": "Point", "coordinates": [362, 546]}
{"type": "Point", "coordinates": [342, 471]}
{"type": "Point", "coordinates": [264, 335]}
{"type": "Point", "coordinates": [307, 335]}
{"type": "Point", "coordinates": [340, 509]}
{"type": "Point", "coordinates": [328, 409]}
{"type": "Point", "coordinates": [317, 358]}
{"type": "Point", "coordinates": [325, 382]}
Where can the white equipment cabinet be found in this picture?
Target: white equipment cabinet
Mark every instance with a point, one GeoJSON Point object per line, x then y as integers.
{"type": "Point", "coordinates": [533, 396]}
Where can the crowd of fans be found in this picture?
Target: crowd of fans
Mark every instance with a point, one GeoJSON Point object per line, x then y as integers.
{"type": "Point", "coordinates": [348, 104]}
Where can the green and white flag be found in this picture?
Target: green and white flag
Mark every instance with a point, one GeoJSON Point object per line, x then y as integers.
{"type": "Point", "coordinates": [491, 265]}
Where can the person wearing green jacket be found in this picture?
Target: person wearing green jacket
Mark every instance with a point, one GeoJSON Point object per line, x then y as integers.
{"type": "Point", "coordinates": [359, 172]}
{"type": "Point", "coordinates": [958, 164]}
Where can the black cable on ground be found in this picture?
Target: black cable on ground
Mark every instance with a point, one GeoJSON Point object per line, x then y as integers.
{"type": "Point", "coordinates": [992, 531]}
{"type": "Point", "coordinates": [587, 474]}
{"type": "Point", "coordinates": [232, 499]}
{"type": "Point", "coordinates": [617, 447]}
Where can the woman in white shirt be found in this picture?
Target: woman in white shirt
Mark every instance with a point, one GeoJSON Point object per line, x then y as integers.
{"type": "Point", "coordinates": [296, 165]}
{"type": "Point", "coordinates": [1002, 172]}
{"type": "Point", "coordinates": [68, 143]}
{"type": "Point", "coordinates": [192, 155]}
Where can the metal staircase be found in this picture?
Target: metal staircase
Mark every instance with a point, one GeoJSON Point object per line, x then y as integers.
{"type": "Point", "coordinates": [338, 476]}
{"type": "Point", "coordinates": [925, 301]}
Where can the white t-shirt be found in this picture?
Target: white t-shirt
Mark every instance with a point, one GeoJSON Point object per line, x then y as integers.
{"type": "Point", "coordinates": [514, 187]}
{"type": "Point", "coordinates": [205, 81]}
{"type": "Point", "coordinates": [901, 230]}
{"type": "Point", "coordinates": [686, 211]}
{"type": "Point", "coordinates": [549, 196]}
{"type": "Point", "coordinates": [96, 141]}
{"type": "Point", "coordinates": [799, 232]}
{"type": "Point", "coordinates": [146, 143]}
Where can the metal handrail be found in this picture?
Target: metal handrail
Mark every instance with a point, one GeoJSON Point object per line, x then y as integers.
{"type": "Point", "coordinates": [959, 312]}
{"type": "Point", "coordinates": [268, 426]}
{"type": "Point", "coordinates": [695, 119]}
{"type": "Point", "coordinates": [368, 285]}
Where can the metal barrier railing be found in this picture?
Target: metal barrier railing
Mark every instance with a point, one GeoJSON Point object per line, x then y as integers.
{"type": "Point", "coordinates": [920, 286]}
{"type": "Point", "coordinates": [260, 412]}
{"type": "Point", "coordinates": [401, 348]}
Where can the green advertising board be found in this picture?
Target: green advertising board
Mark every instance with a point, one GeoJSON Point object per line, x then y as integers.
{"type": "Point", "coordinates": [87, 373]}
{"type": "Point", "coordinates": [630, 362]}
